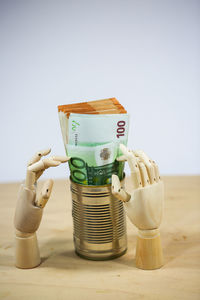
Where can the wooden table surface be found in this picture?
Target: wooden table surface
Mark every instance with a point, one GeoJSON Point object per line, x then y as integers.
{"type": "Point", "coordinates": [64, 275]}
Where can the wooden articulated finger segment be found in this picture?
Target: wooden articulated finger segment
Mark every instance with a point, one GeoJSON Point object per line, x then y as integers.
{"type": "Point", "coordinates": [45, 193]}
{"type": "Point", "coordinates": [38, 166]}
{"type": "Point", "coordinates": [37, 156]}
{"type": "Point", "coordinates": [50, 163]}
{"type": "Point", "coordinates": [148, 163]}
{"type": "Point", "coordinates": [43, 164]}
{"type": "Point", "coordinates": [133, 165]}
{"type": "Point", "coordinates": [39, 174]}
{"type": "Point", "coordinates": [135, 172]}
{"type": "Point", "coordinates": [136, 179]}
{"type": "Point", "coordinates": [62, 159]}
{"type": "Point", "coordinates": [144, 174]}
{"type": "Point", "coordinates": [118, 191]}
{"type": "Point", "coordinates": [30, 180]}
{"type": "Point", "coordinates": [122, 158]}
{"type": "Point", "coordinates": [156, 171]}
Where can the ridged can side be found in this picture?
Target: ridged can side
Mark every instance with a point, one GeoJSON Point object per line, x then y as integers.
{"type": "Point", "coordinates": [99, 222]}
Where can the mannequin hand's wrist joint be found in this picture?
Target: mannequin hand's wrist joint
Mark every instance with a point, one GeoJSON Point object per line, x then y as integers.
{"type": "Point", "coordinates": [21, 234]}
{"type": "Point", "coordinates": [148, 234]}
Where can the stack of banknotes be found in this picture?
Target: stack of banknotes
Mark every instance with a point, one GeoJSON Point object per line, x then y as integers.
{"type": "Point", "coordinates": [92, 132]}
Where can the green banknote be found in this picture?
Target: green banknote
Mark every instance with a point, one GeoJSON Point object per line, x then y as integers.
{"type": "Point", "coordinates": [92, 142]}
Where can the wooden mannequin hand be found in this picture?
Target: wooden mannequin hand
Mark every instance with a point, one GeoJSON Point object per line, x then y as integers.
{"type": "Point", "coordinates": [28, 213]}
{"type": "Point", "coordinates": [144, 206]}
{"type": "Point", "coordinates": [29, 210]}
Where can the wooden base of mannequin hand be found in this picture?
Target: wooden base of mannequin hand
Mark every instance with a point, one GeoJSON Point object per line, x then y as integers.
{"type": "Point", "coordinates": [149, 254]}
{"type": "Point", "coordinates": [27, 253]}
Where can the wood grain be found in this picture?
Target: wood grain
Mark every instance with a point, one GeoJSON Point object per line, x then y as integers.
{"type": "Point", "coordinates": [63, 275]}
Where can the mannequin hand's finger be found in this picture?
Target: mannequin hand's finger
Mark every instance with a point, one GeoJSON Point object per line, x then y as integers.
{"type": "Point", "coordinates": [144, 174]}
{"type": "Point", "coordinates": [38, 155]}
{"type": "Point", "coordinates": [47, 188]}
{"type": "Point", "coordinates": [122, 158]}
{"type": "Point", "coordinates": [133, 165]}
{"type": "Point", "coordinates": [62, 159]}
{"type": "Point", "coordinates": [118, 191]}
{"type": "Point", "coordinates": [43, 164]}
{"type": "Point", "coordinates": [148, 163]}
{"type": "Point", "coordinates": [156, 171]}
{"type": "Point", "coordinates": [49, 163]}
{"type": "Point", "coordinates": [38, 174]}
{"type": "Point", "coordinates": [45, 193]}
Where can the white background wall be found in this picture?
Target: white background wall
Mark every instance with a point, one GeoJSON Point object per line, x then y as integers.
{"type": "Point", "coordinates": [145, 53]}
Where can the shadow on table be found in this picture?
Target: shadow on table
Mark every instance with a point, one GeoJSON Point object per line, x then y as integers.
{"type": "Point", "coordinates": [59, 253]}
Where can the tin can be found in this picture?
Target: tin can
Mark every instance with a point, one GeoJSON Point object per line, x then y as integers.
{"type": "Point", "coordinates": [99, 222]}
